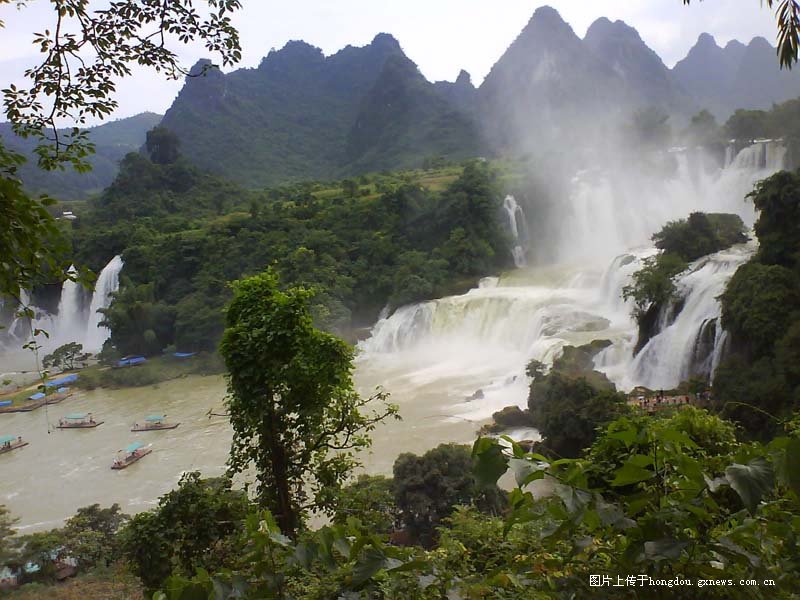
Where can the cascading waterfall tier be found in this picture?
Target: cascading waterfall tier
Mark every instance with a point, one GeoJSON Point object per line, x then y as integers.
{"type": "Point", "coordinates": [483, 339]}
{"type": "Point", "coordinates": [691, 343]}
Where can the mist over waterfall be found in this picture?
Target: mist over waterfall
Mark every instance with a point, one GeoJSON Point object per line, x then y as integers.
{"type": "Point", "coordinates": [482, 340]}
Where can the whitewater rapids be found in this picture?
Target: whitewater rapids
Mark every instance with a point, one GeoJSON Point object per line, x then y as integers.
{"type": "Point", "coordinates": [469, 352]}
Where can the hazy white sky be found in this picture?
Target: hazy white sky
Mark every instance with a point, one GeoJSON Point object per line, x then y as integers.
{"type": "Point", "coordinates": [441, 36]}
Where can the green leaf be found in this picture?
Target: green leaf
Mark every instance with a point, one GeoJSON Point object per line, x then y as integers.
{"type": "Point", "coordinates": [629, 474]}
{"type": "Point", "coordinates": [524, 469]}
{"type": "Point", "coordinates": [793, 465]}
{"type": "Point", "coordinates": [627, 436]}
{"type": "Point", "coordinates": [716, 483]}
{"type": "Point", "coordinates": [368, 565]}
{"type": "Point", "coordinates": [676, 437]}
{"type": "Point", "coordinates": [664, 549]}
{"type": "Point", "coordinates": [489, 462]}
{"type": "Point", "coordinates": [640, 460]}
{"type": "Point", "coordinates": [574, 499]}
{"type": "Point", "coordinates": [750, 481]}
{"type": "Point", "coordinates": [417, 564]}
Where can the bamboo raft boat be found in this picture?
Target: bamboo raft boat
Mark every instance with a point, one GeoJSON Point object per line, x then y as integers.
{"type": "Point", "coordinates": [133, 453]}
{"type": "Point", "coordinates": [9, 443]}
{"type": "Point", "coordinates": [154, 423]}
{"type": "Point", "coordinates": [78, 421]}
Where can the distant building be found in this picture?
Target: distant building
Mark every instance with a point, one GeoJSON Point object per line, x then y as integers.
{"type": "Point", "coordinates": [68, 215]}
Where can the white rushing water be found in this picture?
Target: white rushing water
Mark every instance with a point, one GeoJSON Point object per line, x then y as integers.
{"type": "Point", "coordinates": [69, 323]}
{"type": "Point", "coordinates": [476, 345]}
{"type": "Point", "coordinates": [107, 284]}
{"type": "Point", "coordinates": [518, 229]}
{"type": "Point", "coordinates": [76, 318]}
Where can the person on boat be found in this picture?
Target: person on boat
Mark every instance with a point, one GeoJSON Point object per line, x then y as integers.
{"type": "Point", "coordinates": [136, 426]}
{"type": "Point", "coordinates": [91, 418]}
{"type": "Point", "coordinates": [117, 462]}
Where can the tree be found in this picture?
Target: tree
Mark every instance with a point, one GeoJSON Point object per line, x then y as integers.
{"type": "Point", "coordinates": [757, 305]}
{"type": "Point", "coordinates": [90, 535]}
{"type": "Point", "coordinates": [653, 284]}
{"type": "Point", "coordinates": [192, 527]}
{"type": "Point", "coordinates": [777, 199]}
{"type": "Point", "coordinates": [703, 129]}
{"type": "Point", "coordinates": [567, 411]}
{"type": "Point", "coordinates": [296, 418]}
{"type": "Point", "coordinates": [788, 17]}
{"type": "Point", "coordinates": [350, 188]}
{"type": "Point", "coordinates": [84, 53]}
{"type": "Point", "coordinates": [64, 357]}
{"type": "Point", "coordinates": [9, 544]}
{"type": "Point", "coordinates": [429, 487]}
{"type": "Point", "coordinates": [162, 146]}
{"type": "Point", "coordinates": [650, 128]}
{"type": "Point", "coordinates": [370, 499]}
{"type": "Point", "coordinates": [747, 125]}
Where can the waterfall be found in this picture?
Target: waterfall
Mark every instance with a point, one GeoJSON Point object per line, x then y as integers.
{"type": "Point", "coordinates": [483, 339]}
{"type": "Point", "coordinates": [667, 358]}
{"type": "Point", "coordinates": [729, 154]}
{"type": "Point", "coordinates": [518, 228]}
{"type": "Point", "coordinates": [107, 284]}
{"type": "Point", "coordinates": [69, 324]}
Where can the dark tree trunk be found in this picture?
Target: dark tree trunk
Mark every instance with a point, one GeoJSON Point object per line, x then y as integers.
{"type": "Point", "coordinates": [285, 513]}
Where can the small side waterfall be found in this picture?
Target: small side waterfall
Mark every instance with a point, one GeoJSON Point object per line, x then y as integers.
{"type": "Point", "coordinates": [107, 284]}
{"type": "Point", "coordinates": [678, 352]}
{"type": "Point", "coordinates": [519, 230]}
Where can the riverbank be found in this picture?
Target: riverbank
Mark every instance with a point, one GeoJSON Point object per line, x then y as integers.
{"type": "Point", "coordinates": [155, 370]}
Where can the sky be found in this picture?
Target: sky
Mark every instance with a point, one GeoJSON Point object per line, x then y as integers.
{"type": "Point", "coordinates": [441, 36]}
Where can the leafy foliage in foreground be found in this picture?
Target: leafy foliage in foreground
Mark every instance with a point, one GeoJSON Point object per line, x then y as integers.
{"type": "Point", "coordinates": [660, 498]}
{"type": "Point", "coordinates": [194, 527]}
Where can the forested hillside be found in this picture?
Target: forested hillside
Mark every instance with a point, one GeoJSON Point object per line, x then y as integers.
{"type": "Point", "coordinates": [111, 140]}
{"type": "Point", "coordinates": [184, 234]}
{"type": "Point", "coordinates": [302, 115]}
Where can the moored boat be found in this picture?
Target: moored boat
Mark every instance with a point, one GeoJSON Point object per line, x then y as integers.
{"type": "Point", "coordinates": [10, 442]}
{"type": "Point", "coordinates": [60, 394]}
{"type": "Point", "coordinates": [154, 423]}
{"type": "Point", "coordinates": [78, 421]}
{"type": "Point", "coordinates": [130, 455]}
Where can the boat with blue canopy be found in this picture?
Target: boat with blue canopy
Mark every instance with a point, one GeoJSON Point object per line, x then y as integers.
{"type": "Point", "coordinates": [78, 421]}
{"type": "Point", "coordinates": [154, 423]}
{"type": "Point", "coordinates": [11, 442]}
{"type": "Point", "coordinates": [130, 454]}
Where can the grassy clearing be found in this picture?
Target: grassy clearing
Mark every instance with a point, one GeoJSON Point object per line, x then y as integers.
{"type": "Point", "coordinates": [115, 583]}
{"type": "Point", "coordinates": [155, 370]}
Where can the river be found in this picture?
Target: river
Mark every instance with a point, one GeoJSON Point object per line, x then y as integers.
{"type": "Point", "coordinates": [447, 363]}
{"type": "Point", "coordinates": [63, 470]}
